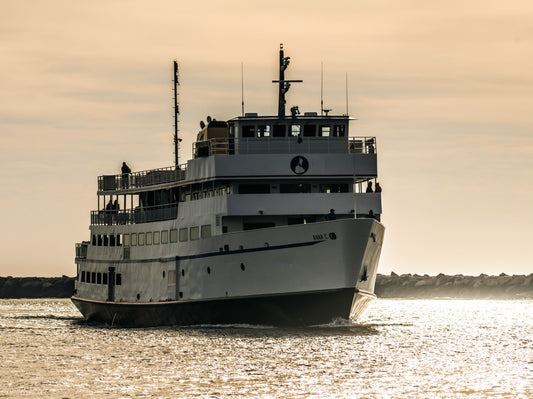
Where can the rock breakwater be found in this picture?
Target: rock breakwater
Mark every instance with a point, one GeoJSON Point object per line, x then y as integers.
{"type": "Point", "coordinates": [387, 286]}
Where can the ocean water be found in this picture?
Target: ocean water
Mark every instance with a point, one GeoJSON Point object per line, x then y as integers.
{"type": "Point", "coordinates": [400, 349]}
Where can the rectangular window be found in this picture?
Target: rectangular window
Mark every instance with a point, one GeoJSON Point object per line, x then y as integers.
{"type": "Point", "coordinates": [106, 240]}
{"type": "Point", "coordinates": [309, 130]}
{"type": "Point", "coordinates": [112, 240]}
{"type": "Point", "coordinates": [294, 188]}
{"type": "Point", "coordinates": [263, 131]}
{"type": "Point", "coordinates": [184, 234]}
{"type": "Point", "coordinates": [195, 233]}
{"type": "Point", "coordinates": [104, 278]}
{"type": "Point", "coordinates": [164, 237]}
{"type": "Point", "coordinates": [174, 235]}
{"type": "Point", "coordinates": [83, 277]}
{"type": "Point", "coordinates": [118, 240]}
{"type": "Point", "coordinates": [206, 231]}
{"type": "Point", "coordinates": [324, 131]}
{"type": "Point", "coordinates": [156, 237]}
{"type": "Point", "coordinates": [98, 278]}
{"type": "Point", "coordinates": [93, 277]}
{"type": "Point", "coordinates": [99, 240]}
{"type": "Point", "coordinates": [279, 131]}
{"type": "Point", "coordinates": [248, 131]}
{"type": "Point", "coordinates": [118, 279]}
{"type": "Point", "coordinates": [254, 188]}
{"type": "Point", "coordinates": [140, 239]}
{"type": "Point", "coordinates": [172, 277]}
{"type": "Point", "coordinates": [149, 238]}
{"type": "Point", "coordinates": [295, 130]}
{"type": "Point", "coordinates": [126, 240]}
{"type": "Point", "coordinates": [133, 239]}
{"type": "Point", "coordinates": [338, 130]}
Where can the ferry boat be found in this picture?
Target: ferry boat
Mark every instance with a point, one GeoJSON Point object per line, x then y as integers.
{"type": "Point", "coordinates": [273, 221]}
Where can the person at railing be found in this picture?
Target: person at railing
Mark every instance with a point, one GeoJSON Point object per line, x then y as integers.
{"type": "Point", "coordinates": [125, 175]}
{"type": "Point", "coordinates": [378, 188]}
{"type": "Point", "coordinates": [369, 187]}
{"type": "Point", "coordinates": [331, 215]}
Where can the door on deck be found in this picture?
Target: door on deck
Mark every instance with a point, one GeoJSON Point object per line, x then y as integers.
{"type": "Point", "coordinates": [111, 285]}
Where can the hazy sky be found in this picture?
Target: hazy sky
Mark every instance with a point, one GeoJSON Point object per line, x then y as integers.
{"type": "Point", "coordinates": [446, 86]}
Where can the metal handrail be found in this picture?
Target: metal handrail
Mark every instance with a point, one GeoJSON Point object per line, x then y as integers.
{"type": "Point", "coordinates": [134, 216]}
{"type": "Point", "coordinates": [280, 145]}
{"type": "Point", "coordinates": [143, 178]}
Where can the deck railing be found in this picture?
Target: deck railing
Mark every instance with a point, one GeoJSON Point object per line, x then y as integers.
{"type": "Point", "coordinates": [81, 250]}
{"type": "Point", "coordinates": [135, 216]}
{"type": "Point", "coordinates": [141, 179]}
{"type": "Point", "coordinates": [285, 145]}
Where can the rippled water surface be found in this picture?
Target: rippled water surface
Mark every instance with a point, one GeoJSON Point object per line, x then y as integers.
{"type": "Point", "coordinates": [401, 349]}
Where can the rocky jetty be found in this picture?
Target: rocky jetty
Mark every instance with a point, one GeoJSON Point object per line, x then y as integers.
{"type": "Point", "coordinates": [387, 286]}
{"type": "Point", "coordinates": [457, 286]}
{"type": "Point", "coordinates": [36, 287]}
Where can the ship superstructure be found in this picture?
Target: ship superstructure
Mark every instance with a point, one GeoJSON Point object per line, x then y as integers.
{"type": "Point", "coordinates": [271, 222]}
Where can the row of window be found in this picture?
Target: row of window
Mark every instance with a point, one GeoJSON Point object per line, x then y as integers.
{"type": "Point", "coordinates": [293, 130]}
{"type": "Point", "coordinates": [99, 278]}
{"type": "Point", "coordinates": [152, 237]}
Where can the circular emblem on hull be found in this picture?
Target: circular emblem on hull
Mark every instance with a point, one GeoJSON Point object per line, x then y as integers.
{"type": "Point", "coordinates": [299, 165]}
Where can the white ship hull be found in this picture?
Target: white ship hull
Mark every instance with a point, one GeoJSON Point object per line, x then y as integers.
{"type": "Point", "coordinates": [289, 275]}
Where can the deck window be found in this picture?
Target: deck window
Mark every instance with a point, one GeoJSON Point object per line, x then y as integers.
{"type": "Point", "coordinates": [127, 240]}
{"type": "Point", "coordinates": [324, 131]}
{"type": "Point", "coordinates": [83, 277]}
{"type": "Point", "coordinates": [93, 277]}
{"type": "Point", "coordinates": [172, 277]}
{"type": "Point", "coordinates": [279, 131]}
{"type": "Point", "coordinates": [164, 237]}
{"type": "Point", "coordinates": [149, 238]}
{"type": "Point", "coordinates": [294, 188]}
{"type": "Point", "coordinates": [206, 231]}
{"type": "Point", "coordinates": [104, 278]}
{"type": "Point", "coordinates": [248, 131]}
{"type": "Point", "coordinates": [133, 239]}
{"type": "Point", "coordinates": [140, 239]}
{"type": "Point", "coordinates": [184, 234]}
{"type": "Point", "coordinates": [334, 188]}
{"type": "Point", "coordinates": [263, 131]}
{"type": "Point", "coordinates": [309, 130]}
{"type": "Point", "coordinates": [106, 240]}
{"type": "Point", "coordinates": [254, 188]}
{"type": "Point", "coordinates": [118, 279]}
{"type": "Point", "coordinates": [195, 233]}
{"type": "Point", "coordinates": [295, 130]}
{"type": "Point", "coordinates": [157, 234]}
{"type": "Point", "coordinates": [174, 235]}
{"type": "Point", "coordinates": [98, 278]}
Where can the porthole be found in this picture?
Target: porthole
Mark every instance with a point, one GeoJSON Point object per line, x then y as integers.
{"type": "Point", "coordinates": [138, 296]}
{"type": "Point", "coordinates": [242, 266]}
{"type": "Point", "coordinates": [183, 272]}
{"type": "Point", "coordinates": [163, 274]}
{"type": "Point", "coordinates": [333, 236]}
{"type": "Point", "coordinates": [181, 294]}
{"type": "Point", "coordinates": [208, 270]}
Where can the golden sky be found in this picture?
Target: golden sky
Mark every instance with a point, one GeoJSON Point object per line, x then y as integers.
{"type": "Point", "coordinates": [446, 86]}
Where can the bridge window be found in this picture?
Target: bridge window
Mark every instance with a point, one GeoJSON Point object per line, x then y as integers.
{"type": "Point", "coordinates": [279, 131]}
{"type": "Point", "coordinates": [248, 131]}
{"type": "Point", "coordinates": [309, 130]}
{"type": "Point", "coordinates": [184, 234]}
{"type": "Point", "coordinates": [334, 188]}
{"type": "Point", "coordinates": [127, 240]}
{"type": "Point", "coordinates": [133, 239]}
{"type": "Point", "coordinates": [157, 234]}
{"type": "Point", "coordinates": [338, 130]}
{"type": "Point", "coordinates": [324, 131]}
{"type": "Point", "coordinates": [149, 238]}
{"type": "Point", "coordinates": [140, 239]}
{"type": "Point", "coordinates": [295, 130]}
{"type": "Point", "coordinates": [263, 131]}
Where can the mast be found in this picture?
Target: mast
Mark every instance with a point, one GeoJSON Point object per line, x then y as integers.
{"type": "Point", "coordinates": [284, 85]}
{"type": "Point", "coordinates": [176, 113]}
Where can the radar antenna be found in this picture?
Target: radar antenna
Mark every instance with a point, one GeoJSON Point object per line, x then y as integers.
{"type": "Point", "coordinates": [284, 85]}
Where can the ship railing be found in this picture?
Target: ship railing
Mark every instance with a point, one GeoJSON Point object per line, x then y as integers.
{"type": "Point", "coordinates": [285, 145]}
{"type": "Point", "coordinates": [143, 178]}
{"type": "Point", "coordinates": [135, 216]}
{"type": "Point", "coordinates": [81, 250]}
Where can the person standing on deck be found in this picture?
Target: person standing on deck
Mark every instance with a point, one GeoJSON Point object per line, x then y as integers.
{"type": "Point", "coordinates": [125, 175]}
